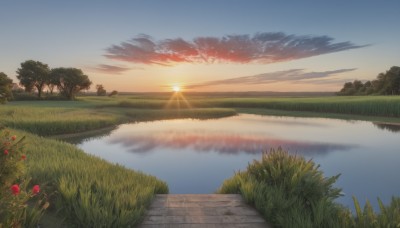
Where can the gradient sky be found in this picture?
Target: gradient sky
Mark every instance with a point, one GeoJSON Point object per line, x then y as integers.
{"type": "Point", "coordinates": [225, 45]}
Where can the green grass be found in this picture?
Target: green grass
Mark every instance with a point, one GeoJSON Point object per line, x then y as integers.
{"type": "Point", "coordinates": [274, 112]}
{"type": "Point", "coordinates": [89, 191]}
{"type": "Point", "coordinates": [67, 117]}
{"type": "Point", "coordinates": [290, 191]}
{"type": "Point", "coordinates": [380, 106]}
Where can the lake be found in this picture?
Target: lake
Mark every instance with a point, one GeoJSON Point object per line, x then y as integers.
{"type": "Point", "coordinates": [195, 156]}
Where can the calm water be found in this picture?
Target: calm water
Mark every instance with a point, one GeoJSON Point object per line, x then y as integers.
{"type": "Point", "coordinates": [195, 156]}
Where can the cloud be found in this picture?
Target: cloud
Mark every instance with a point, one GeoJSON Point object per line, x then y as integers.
{"type": "Point", "coordinates": [110, 69]}
{"type": "Point", "coordinates": [262, 48]}
{"type": "Point", "coordinates": [294, 75]}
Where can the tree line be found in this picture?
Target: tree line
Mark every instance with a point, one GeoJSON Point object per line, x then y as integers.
{"type": "Point", "coordinates": [35, 75]}
{"type": "Point", "coordinates": [387, 83]}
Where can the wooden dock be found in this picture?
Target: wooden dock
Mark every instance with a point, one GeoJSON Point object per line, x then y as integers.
{"type": "Point", "coordinates": [201, 210]}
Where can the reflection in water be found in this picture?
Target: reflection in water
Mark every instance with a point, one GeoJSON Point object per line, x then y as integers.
{"type": "Point", "coordinates": [87, 136]}
{"type": "Point", "coordinates": [388, 127]}
{"type": "Point", "coordinates": [223, 143]}
{"type": "Point", "coordinates": [196, 156]}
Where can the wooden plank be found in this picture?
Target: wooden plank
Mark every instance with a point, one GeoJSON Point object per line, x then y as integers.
{"type": "Point", "coordinates": [210, 225]}
{"type": "Point", "coordinates": [197, 204]}
{"type": "Point", "coordinates": [203, 219]}
{"type": "Point", "coordinates": [242, 210]}
{"type": "Point", "coordinates": [201, 210]}
{"type": "Point", "coordinates": [198, 196]}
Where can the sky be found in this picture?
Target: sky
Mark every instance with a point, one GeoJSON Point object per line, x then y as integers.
{"type": "Point", "coordinates": [224, 45]}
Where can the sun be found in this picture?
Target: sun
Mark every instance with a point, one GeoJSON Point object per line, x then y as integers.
{"type": "Point", "coordinates": [176, 88]}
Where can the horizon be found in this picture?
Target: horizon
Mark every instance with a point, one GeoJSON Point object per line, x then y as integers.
{"type": "Point", "coordinates": [150, 47]}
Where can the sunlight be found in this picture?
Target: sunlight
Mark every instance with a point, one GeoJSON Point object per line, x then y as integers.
{"type": "Point", "coordinates": [177, 99]}
{"type": "Point", "coordinates": [176, 88]}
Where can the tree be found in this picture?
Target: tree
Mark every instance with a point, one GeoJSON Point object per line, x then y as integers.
{"type": "Point", "coordinates": [5, 87]}
{"type": "Point", "coordinates": [51, 83]}
{"type": "Point", "coordinates": [100, 90]}
{"type": "Point", "coordinates": [70, 81]}
{"type": "Point", "coordinates": [393, 81]}
{"type": "Point", "coordinates": [385, 84]}
{"type": "Point", "coordinates": [33, 74]}
{"type": "Point", "coordinates": [113, 93]}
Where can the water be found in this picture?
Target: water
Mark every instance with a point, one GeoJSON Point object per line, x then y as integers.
{"type": "Point", "coordinates": [195, 156]}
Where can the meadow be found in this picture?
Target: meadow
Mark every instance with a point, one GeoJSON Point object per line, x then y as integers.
{"type": "Point", "coordinates": [91, 191]}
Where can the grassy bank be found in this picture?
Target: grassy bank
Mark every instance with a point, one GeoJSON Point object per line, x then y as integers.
{"type": "Point", "coordinates": [89, 191]}
{"type": "Point", "coordinates": [290, 191]}
{"type": "Point", "coordinates": [379, 106]}
{"type": "Point", "coordinates": [274, 112]}
{"type": "Point", "coordinates": [69, 117]}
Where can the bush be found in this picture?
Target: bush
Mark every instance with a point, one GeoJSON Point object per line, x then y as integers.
{"type": "Point", "coordinates": [289, 191]}
{"type": "Point", "coordinates": [14, 209]}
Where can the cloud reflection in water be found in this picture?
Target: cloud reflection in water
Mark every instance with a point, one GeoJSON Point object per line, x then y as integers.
{"type": "Point", "coordinates": [222, 143]}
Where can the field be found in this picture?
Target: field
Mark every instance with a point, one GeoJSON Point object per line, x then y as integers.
{"type": "Point", "coordinates": [88, 113]}
{"type": "Point", "coordinates": [91, 191]}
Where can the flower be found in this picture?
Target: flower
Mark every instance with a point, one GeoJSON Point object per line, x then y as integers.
{"type": "Point", "coordinates": [14, 137]}
{"type": "Point", "coordinates": [35, 189]}
{"type": "Point", "coordinates": [6, 152]}
{"type": "Point", "coordinates": [23, 157]}
{"type": "Point", "coordinates": [15, 189]}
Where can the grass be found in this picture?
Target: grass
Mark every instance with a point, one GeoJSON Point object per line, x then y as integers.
{"type": "Point", "coordinates": [290, 191]}
{"type": "Point", "coordinates": [89, 191]}
{"type": "Point", "coordinates": [67, 117]}
{"type": "Point", "coordinates": [273, 112]}
{"type": "Point", "coordinates": [378, 106]}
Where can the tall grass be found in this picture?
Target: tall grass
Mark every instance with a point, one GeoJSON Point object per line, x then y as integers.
{"type": "Point", "coordinates": [46, 121]}
{"type": "Point", "coordinates": [366, 105]}
{"type": "Point", "coordinates": [89, 191]}
{"type": "Point", "coordinates": [51, 121]}
{"type": "Point", "coordinates": [290, 191]}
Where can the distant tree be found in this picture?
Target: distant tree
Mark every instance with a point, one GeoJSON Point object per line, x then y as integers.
{"type": "Point", "coordinates": [393, 81]}
{"type": "Point", "coordinates": [100, 90]}
{"type": "Point", "coordinates": [70, 81]}
{"type": "Point", "coordinates": [5, 87]}
{"type": "Point", "coordinates": [33, 74]}
{"type": "Point", "coordinates": [387, 83]}
{"type": "Point", "coordinates": [113, 93]}
{"type": "Point", "coordinates": [357, 85]}
{"type": "Point", "coordinates": [347, 89]}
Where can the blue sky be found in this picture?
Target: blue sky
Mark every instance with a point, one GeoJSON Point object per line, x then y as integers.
{"type": "Point", "coordinates": [80, 34]}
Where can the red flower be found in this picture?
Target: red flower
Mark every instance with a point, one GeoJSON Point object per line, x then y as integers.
{"type": "Point", "coordinates": [6, 152]}
{"type": "Point", "coordinates": [23, 157]}
{"type": "Point", "coordinates": [14, 137]}
{"type": "Point", "coordinates": [15, 189]}
{"type": "Point", "coordinates": [35, 189]}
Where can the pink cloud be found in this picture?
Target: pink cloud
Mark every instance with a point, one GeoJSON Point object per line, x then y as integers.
{"type": "Point", "coordinates": [261, 48]}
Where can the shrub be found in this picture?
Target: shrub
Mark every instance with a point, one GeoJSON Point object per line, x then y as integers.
{"type": "Point", "coordinates": [14, 209]}
{"type": "Point", "coordinates": [289, 191]}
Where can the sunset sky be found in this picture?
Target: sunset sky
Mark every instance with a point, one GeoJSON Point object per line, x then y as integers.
{"type": "Point", "coordinates": [225, 45]}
